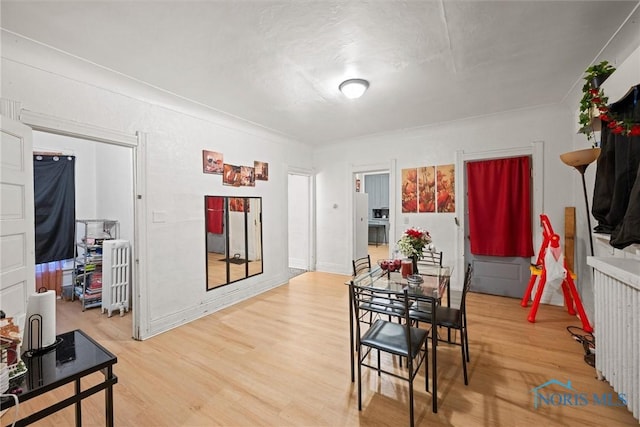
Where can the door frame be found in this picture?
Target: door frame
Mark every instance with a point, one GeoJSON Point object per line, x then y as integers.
{"type": "Point", "coordinates": [137, 143]}
{"type": "Point", "coordinates": [389, 166]}
{"type": "Point", "coordinates": [535, 151]}
{"type": "Point", "coordinates": [310, 175]}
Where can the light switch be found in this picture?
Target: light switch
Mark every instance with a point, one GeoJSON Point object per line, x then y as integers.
{"type": "Point", "coordinates": [159, 216]}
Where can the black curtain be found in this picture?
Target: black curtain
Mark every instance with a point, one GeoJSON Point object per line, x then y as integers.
{"type": "Point", "coordinates": [616, 194]}
{"type": "Point", "coordinates": [55, 207]}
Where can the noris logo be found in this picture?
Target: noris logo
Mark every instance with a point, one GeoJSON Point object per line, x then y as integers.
{"type": "Point", "coordinates": [547, 394]}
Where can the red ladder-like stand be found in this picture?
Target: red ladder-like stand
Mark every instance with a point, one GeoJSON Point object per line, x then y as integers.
{"type": "Point", "coordinates": [571, 296]}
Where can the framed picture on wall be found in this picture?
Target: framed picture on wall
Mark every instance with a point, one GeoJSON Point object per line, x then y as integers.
{"type": "Point", "coordinates": [231, 175]}
{"type": "Point", "coordinates": [212, 162]}
{"type": "Point", "coordinates": [247, 176]}
{"type": "Point", "coordinates": [261, 170]}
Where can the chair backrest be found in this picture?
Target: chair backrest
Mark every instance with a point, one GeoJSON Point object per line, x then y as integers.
{"type": "Point", "coordinates": [365, 299]}
{"type": "Point", "coordinates": [465, 289]}
{"type": "Point", "coordinates": [361, 265]}
{"type": "Point", "coordinates": [431, 258]}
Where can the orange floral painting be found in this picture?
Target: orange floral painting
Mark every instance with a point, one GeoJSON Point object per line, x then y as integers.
{"type": "Point", "coordinates": [409, 190]}
{"type": "Point", "coordinates": [445, 186]}
{"type": "Point", "coordinates": [427, 189]}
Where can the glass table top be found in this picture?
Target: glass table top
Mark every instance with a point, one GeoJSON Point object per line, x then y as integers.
{"type": "Point", "coordinates": [75, 356]}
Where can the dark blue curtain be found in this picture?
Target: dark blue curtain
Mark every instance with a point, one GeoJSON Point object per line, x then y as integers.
{"type": "Point", "coordinates": [55, 207]}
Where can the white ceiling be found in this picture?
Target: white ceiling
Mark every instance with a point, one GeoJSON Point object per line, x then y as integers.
{"type": "Point", "coordinates": [279, 63]}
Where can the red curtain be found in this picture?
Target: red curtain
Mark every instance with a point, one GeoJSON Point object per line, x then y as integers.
{"type": "Point", "coordinates": [500, 207]}
{"type": "Point", "coordinates": [215, 213]}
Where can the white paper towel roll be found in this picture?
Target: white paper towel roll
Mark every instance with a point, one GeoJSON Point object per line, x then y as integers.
{"type": "Point", "coordinates": [43, 304]}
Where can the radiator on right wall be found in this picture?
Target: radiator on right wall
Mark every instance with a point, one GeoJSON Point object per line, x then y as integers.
{"type": "Point", "coordinates": [617, 325]}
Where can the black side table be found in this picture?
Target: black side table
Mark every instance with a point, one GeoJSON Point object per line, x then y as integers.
{"type": "Point", "coordinates": [75, 357]}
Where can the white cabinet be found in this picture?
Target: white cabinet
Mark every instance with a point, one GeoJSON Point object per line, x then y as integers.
{"type": "Point", "coordinates": [90, 235]}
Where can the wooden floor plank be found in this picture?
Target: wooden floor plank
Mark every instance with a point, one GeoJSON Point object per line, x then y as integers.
{"type": "Point", "coordinates": [282, 359]}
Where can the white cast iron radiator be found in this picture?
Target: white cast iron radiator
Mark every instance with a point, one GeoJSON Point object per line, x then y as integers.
{"type": "Point", "coordinates": [116, 276]}
{"type": "Point", "coordinates": [617, 325]}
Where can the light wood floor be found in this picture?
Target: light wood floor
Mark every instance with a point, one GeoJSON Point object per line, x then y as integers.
{"type": "Point", "coordinates": [282, 359]}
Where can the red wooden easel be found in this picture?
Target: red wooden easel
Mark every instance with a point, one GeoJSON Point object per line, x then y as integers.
{"type": "Point", "coordinates": [551, 241]}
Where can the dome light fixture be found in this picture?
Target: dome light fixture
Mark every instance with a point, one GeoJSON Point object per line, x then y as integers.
{"type": "Point", "coordinates": [354, 88]}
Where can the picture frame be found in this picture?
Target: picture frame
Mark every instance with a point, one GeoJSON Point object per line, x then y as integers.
{"type": "Point", "coordinates": [212, 162]}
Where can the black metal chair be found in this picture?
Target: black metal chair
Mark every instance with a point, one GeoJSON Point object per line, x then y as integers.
{"type": "Point", "coordinates": [397, 339]}
{"type": "Point", "coordinates": [430, 258]}
{"type": "Point", "coordinates": [361, 265]}
{"type": "Point", "coordinates": [452, 318]}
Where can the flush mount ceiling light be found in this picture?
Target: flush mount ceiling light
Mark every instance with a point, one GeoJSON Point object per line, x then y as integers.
{"type": "Point", "coordinates": [354, 88]}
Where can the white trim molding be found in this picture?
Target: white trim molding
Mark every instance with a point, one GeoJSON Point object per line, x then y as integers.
{"type": "Point", "coordinates": [51, 124]}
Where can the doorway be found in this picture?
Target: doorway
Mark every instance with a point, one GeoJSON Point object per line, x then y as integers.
{"type": "Point", "coordinates": [505, 276]}
{"type": "Point", "coordinates": [374, 237]}
{"type": "Point", "coordinates": [103, 182]}
{"type": "Point", "coordinates": [300, 223]}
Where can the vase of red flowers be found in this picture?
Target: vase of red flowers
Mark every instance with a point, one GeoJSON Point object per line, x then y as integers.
{"type": "Point", "coordinates": [412, 243]}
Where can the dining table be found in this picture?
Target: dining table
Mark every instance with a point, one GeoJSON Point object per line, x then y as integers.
{"type": "Point", "coordinates": [435, 282]}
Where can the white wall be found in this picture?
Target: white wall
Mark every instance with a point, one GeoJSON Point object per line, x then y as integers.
{"type": "Point", "coordinates": [47, 82]}
{"type": "Point", "coordinates": [437, 145]}
{"type": "Point", "coordinates": [114, 186]}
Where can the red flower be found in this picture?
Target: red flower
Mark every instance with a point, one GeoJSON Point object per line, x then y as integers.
{"type": "Point", "coordinates": [596, 100]}
{"type": "Point", "coordinates": [617, 130]}
{"type": "Point", "coordinates": [603, 108]}
{"type": "Point", "coordinates": [635, 130]}
{"type": "Point", "coordinates": [604, 118]}
{"type": "Point", "coordinates": [594, 91]}
{"type": "Point", "coordinates": [612, 124]}
{"type": "Point", "coordinates": [414, 233]}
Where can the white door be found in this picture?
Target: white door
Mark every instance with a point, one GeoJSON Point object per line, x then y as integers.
{"type": "Point", "coordinates": [361, 225]}
{"type": "Point", "coordinates": [17, 246]}
{"type": "Point", "coordinates": [494, 275]}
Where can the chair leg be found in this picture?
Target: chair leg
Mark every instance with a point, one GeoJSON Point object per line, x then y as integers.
{"type": "Point", "coordinates": [411, 400]}
{"type": "Point", "coordinates": [378, 362]}
{"type": "Point", "coordinates": [359, 379]}
{"type": "Point", "coordinates": [463, 344]}
{"type": "Point", "coordinates": [434, 366]}
{"type": "Point", "coordinates": [426, 366]}
{"type": "Point", "coordinates": [466, 342]}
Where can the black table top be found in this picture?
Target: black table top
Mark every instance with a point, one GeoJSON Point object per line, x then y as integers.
{"type": "Point", "coordinates": [76, 356]}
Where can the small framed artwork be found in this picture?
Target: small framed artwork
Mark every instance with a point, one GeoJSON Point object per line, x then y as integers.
{"type": "Point", "coordinates": [231, 175]}
{"type": "Point", "coordinates": [212, 162]}
{"type": "Point", "coordinates": [247, 176]}
{"type": "Point", "coordinates": [261, 170]}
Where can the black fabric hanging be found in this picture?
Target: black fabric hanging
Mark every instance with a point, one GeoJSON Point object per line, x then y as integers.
{"type": "Point", "coordinates": [616, 201]}
{"type": "Point", "coordinates": [55, 212]}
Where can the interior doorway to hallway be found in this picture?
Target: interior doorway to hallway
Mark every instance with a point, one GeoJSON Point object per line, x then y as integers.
{"type": "Point", "coordinates": [104, 190]}
{"type": "Point", "coordinates": [300, 220]}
